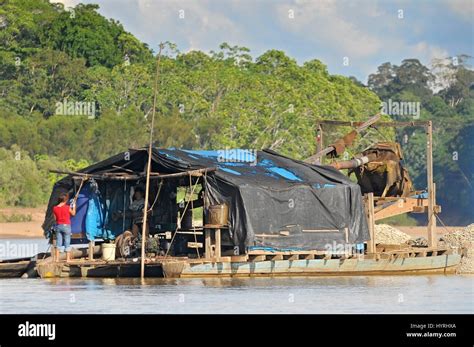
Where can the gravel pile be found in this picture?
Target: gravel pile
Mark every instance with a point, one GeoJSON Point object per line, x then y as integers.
{"type": "Point", "coordinates": [462, 238]}
{"type": "Point", "coordinates": [387, 234]}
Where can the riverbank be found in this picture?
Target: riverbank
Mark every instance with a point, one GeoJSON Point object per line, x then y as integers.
{"type": "Point", "coordinates": [24, 229]}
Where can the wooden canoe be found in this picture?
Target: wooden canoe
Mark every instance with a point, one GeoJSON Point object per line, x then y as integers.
{"type": "Point", "coordinates": [13, 269]}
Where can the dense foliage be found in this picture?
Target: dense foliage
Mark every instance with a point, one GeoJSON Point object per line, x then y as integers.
{"type": "Point", "coordinates": [76, 87]}
{"type": "Point", "coordinates": [451, 108]}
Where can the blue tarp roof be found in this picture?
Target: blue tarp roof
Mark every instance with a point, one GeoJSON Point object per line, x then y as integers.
{"type": "Point", "coordinates": [244, 166]}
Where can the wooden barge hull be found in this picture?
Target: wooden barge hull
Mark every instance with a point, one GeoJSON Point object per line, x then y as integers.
{"type": "Point", "coordinates": [441, 264]}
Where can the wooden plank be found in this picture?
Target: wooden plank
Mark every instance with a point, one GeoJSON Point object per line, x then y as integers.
{"type": "Point", "coordinates": [90, 251]}
{"type": "Point", "coordinates": [195, 244]}
{"type": "Point", "coordinates": [257, 252]}
{"type": "Point", "coordinates": [254, 258]}
{"type": "Point", "coordinates": [239, 258]}
{"type": "Point", "coordinates": [217, 260]}
{"type": "Point", "coordinates": [275, 257]}
{"type": "Point", "coordinates": [369, 206]}
{"type": "Point", "coordinates": [320, 145]}
{"type": "Point", "coordinates": [400, 206]}
{"type": "Point", "coordinates": [294, 256]}
{"type": "Point", "coordinates": [308, 257]}
{"type": "Point", "coordinates": [197, 172]}
{"type": "Point", "coordinates": [190, 232]}
{"type": "Point", "coordinates": [207, 242]}
{"type": "Point", "coordinates": [215, 226]}
{"type": "Point", "coordinates": [218, 243]}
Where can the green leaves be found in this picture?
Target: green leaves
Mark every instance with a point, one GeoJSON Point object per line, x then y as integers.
{"type": "Point", "coordinates": [447, 98]}
{"type": "Point", "coordinates": [223, 99]}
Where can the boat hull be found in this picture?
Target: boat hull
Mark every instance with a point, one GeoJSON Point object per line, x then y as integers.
{"type": "Point", "coordinates": [443, 264]}
{"type": "Point", "coordinates": [13, 270]}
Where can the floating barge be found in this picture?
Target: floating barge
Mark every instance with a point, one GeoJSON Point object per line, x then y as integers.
{"type": "Point", "coordinates": [278, 217]}
{"type": "Point", "coordinates": [411, 261]}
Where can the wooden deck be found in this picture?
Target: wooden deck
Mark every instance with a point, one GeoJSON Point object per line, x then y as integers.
{"type": "Point", "coordinates": [314, 263]}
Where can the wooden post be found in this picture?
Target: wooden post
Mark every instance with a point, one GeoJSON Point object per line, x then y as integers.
{"type": "Point", "coordinates": [371, 222]}
{"type": "Point", "coordinates": [218, 243]}
{"type": "Point", "coordinates": [148, 166]}
{"type": "Point", "coordinates": [90, 251]}
{"type": "Point", "coordinates": [432, 241]}
{"type": "Point", "coordinates": [53, 247]}
{"type": "Point", "coordinates": [207, 242]}
{"type": "Point", "coordinates": [320, 145]}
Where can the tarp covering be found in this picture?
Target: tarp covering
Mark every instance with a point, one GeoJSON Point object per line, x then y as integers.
{"type": "Point", "coordinates": [273, 200]}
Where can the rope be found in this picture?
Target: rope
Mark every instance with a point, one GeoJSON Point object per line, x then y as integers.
{"type": "Point", "coordinates": [185, 208]}
{"type": "Point", "coordinates": [444, 225]}
{"type": "Point", "coordinates": [156, 197]}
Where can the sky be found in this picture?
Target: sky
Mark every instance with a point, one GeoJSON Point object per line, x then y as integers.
{"type": "Point", "coordinates": [351, 37]}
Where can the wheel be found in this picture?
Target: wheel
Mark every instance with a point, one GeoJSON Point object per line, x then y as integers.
{"type": "Point", "coordinates": [124, 244]}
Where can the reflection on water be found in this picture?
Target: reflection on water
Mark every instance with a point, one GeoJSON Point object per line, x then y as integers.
{"type": "Point", "coordinates": [371, 294]}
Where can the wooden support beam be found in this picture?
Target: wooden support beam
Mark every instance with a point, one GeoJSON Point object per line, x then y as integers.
{"type": "Point", "coordinates": [275, 257]}
{"type": "Point", "coordinates": [432, 240]}
{"type": "Point", "coordinates": [320, 145]}
{"type": "Point", "coordinates": [122, 176]}
{"type": "Point", "coordinates": [369, 207]}
{"type": "Point", "coordinates": [90, 251]}
{"type": "Point", "coordinates": [400, 206]}
{"type": "Point", "coordinates": [218, 243]}
{"type": "Point", "coordinates": [197, 172]}
{"type": "Point", "coordinates": [255, 258]}
{"type": "Point", "coordinates": [239, 258]}
{"type": "Point", "coordinates": [293, 257]}
{"type": "Point", "coordinates": [207, 242]}
{"type": "Point", "coordinates": [194, 245]}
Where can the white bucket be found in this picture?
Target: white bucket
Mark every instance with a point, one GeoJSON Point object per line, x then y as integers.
{"type": "Point", "coordinates": [108, 251]}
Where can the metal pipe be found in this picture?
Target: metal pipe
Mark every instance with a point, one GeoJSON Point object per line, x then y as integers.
{"type": "Point", "coordinates": [350, 164]}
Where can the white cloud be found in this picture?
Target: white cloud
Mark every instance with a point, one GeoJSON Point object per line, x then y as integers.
{"type": "Point", "coordinates": [463, 8]}
{"type": "Point", "coordinates": [202, 26]}
{"type": "Point", "coordinates": [426, 52]}
{"type": "Point", "coordinates": [67, 3]}
{"type": "Point", "coordinates": [324, 22]}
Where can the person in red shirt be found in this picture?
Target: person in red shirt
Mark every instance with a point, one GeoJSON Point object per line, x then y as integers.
{"type": "Point", "coordinates": [63, 212]}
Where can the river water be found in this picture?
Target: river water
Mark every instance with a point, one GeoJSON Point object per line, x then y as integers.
{"type": "Point", "coordinates": [368, 294]}
{"type": "Point", "coordinates": [356, 294]}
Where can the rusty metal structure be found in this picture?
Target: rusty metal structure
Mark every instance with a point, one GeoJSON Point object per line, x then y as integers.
{"type": "Point", "coordinates": [384, 181]}
{"type": "Point", "coordinates": [383, 172]}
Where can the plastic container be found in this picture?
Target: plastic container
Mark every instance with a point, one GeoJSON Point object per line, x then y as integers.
{"type": "Point", "coordinates": [108, 251]}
